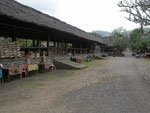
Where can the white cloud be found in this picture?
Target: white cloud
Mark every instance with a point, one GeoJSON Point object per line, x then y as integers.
{"type": "Point", "coordinates": [85, 14]}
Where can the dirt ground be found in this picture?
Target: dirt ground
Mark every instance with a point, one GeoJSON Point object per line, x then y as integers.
{"type": "Point", "coordinates": [115, 85]}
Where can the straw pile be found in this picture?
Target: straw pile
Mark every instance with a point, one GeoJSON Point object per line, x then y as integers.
{"type": "Point", "coordinates": [9, 49]}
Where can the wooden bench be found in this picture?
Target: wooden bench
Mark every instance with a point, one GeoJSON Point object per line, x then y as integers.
{"type": "Point", "coordinates": [14, 70]}
{"type": "Point", "coordinates": [47, 64]}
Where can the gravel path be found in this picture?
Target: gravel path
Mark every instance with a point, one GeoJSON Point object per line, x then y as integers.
{"type": "Point", "coordinates": [124, 90]}
{"type": "Point", "coordinates": [117, 85]}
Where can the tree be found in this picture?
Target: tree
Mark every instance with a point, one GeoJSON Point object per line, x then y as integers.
{"type": "Point", "coordinates": [119, 39]}
{"type": "Point", "coordinates": [137, 41]}
{"type": "Point", "coordinates": [22, 42]}
{"type": "Point", "coordinates": [138, 10]}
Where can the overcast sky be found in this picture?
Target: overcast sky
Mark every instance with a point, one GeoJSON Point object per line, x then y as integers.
{"type": "Point", "coordinates": [87, 15]}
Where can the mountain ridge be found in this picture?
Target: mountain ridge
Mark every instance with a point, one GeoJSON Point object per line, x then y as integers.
{"type": "Point", "coordinates": [102, 33]}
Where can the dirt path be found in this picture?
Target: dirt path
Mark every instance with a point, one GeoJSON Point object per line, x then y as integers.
{"type": "Point", "coordinates": [118, 85]}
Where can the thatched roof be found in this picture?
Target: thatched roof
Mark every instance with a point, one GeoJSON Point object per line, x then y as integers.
{"type": "Point", "coordinates": [17, 11]}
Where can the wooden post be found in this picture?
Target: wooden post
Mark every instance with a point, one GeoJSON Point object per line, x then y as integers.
{"type": "Point", "coordinates": [94, 47]}
{"type": "Point", "coordinates": [13, 39]}
{"type": "Point", "coordinates": [57, 44]}
{"type": "Point", "coordinates": [54, 46]}
{"type": "Point", "coordinates": [33, 43]}
{"type": "Point", "coordinates": [26, 43]}
{"type": "Point", "coordinates": [86, 47]}
{"type": "Point", "coordinates": [48, 47]}
{"type": "Point", "coordinates": [91, 48]}
{"type": "Point", "coordinates": [63, 47]}
{"type": "Point", "coordinates": [81, 51]}
{"type": "Point", "coordinates": [38, 43]}
{"type": "Point", "coordinates": [83, 46]}
{"type": "Point", "coordinates": [14, 35]}
{"type": "Point", "coordinates": [78, 46]}
{"type": "Point", "coordinates": [73, 48]}
{"type": "Point", "coordinates": [100, 47]}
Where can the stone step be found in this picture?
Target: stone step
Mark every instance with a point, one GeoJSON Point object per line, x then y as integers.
{"type": "Point", "coordinates": [67, 64]}
{"type": "Point", "coordinates": [98, 57]}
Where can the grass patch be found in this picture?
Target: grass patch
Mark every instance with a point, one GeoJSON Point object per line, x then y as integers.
{"type": "Point", "coordinates": [145, 60]}
{"type": "Point", "coordinates": [73, 71]}
{"type": "Point", "coordinates": [26, 85]}
{"type": "Point", "coordinates": [69, 73]}
{"type": "Point", "coordinates": [91, 63]}
{"type": "Point", "coordinates": [59, 75]}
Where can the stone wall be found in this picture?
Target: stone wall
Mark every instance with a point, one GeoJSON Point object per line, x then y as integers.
{"type": "Point", "coordinates": [13, 62]}
{"type": "Point", "coordinates": [20, 61]}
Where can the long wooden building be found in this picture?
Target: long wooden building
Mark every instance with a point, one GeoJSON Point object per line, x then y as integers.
{"type": "Point", "coordinates": [23, 22]}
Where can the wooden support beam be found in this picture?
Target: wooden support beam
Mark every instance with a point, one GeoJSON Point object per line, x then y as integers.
{"type": "Point", "coordinates": [66, 49]}
{"type": "Point", "coordinates": [63, 45]}
{"type": "Point", "coordinates": [38, 43]}
{"type": "Point", "coordinates": [87, 47]}
{"type": "Point", "coordinates": [33, 43]}
{"type": "Point", "coordinates": [55, 47]}
{"type": "Point", "coordinates": [78, 46]}
{"type": "Point", "coordinates": [57, 44]}
{"type": "Point", "coordinates": [93, 46]}
{"type": "Point", "coordinates": [81, 51]}
{"type": "Point", "coordinates": [73, 48]}
{"type": "Point", "coordinates": [48, 47]}
{"type": "Point", "coordinates": [14, 35]}
{"type": "Point", "coordinates": [100, 47]}
{"type": "Point", "coordinates": [26, 43]}
{"type": "Point", "coordinates": [13, 39]}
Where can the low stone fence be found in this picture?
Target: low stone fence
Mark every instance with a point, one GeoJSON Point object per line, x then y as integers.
{"type": "Point", "coordinates": [20, 61]}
